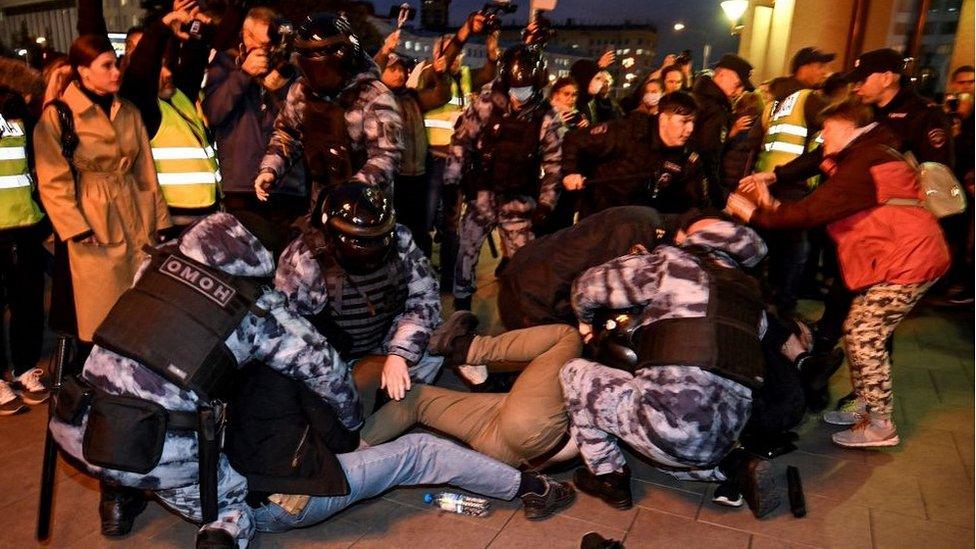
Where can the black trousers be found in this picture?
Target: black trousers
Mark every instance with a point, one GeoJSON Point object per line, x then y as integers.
{"type": "Point", "coordinates": [22, 264]}
{"type": "Point", "coordinates": [411, 199]}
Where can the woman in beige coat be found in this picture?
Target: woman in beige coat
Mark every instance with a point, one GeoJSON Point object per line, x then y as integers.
{"type": "Point", "coordinates": [115, 207]}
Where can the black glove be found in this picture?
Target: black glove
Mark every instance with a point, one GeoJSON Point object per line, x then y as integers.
{"type": "Point", "coordinates": [540, 215]}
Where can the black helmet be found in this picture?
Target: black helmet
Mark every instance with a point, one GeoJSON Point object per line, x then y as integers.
{"type": "Point", "coordinates": [522, 66]}
{"type": "Point", "coordinates": [360, 221]}
{"type": "Point", "coordinates": [328, 52]}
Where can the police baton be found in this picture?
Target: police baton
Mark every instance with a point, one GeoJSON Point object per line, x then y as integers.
{"type": "Point", "coordinates": [50, 462]}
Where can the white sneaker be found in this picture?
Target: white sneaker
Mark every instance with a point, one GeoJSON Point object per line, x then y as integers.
{"type": "Point", "coordinates": [32, 387]}
{"type": "Point", "coordinates": [10, 401]}
{"type": "Point", "coordinates": [851, 413]}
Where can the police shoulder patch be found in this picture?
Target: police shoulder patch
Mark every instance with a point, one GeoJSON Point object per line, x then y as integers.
{"type": "Point", "coordinates": [937, 137]}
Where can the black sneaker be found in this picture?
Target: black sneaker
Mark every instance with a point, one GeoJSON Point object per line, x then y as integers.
{"type": "Point", "coordinates": [215, 538]}
{"type": "Point", "coordinates": [558, 495]}
{"type": "Point", "coordinates": [758, 487]}
{"type": "Point", "coordinates": [612, 488]}
{"type": "Point", "coordinates": [727, 494]}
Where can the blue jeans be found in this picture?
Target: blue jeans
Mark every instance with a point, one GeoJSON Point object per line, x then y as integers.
{"type": "Point", "coordinates": [411, 459]}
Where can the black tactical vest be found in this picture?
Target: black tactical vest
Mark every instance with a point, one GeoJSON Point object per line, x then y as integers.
{"type": "Point", "coordinates": [175, 319]}
{"type": "Point", "coordinates": [360, 308]}
{"type": "Point", "coordinates": [508, 156]}
{"type": "Point", "coordinates": [329, 158]}
{"type": "Point", "coordinates": [725, 341]}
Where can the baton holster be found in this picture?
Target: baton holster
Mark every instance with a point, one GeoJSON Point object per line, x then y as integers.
{"type": "Point", "coordinates": [209, 433]}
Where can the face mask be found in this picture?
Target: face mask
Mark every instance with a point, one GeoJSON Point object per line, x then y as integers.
{"type": "Point", "coordinates": [521, 94]}
{"type": "Point", "coordinates": [651, 99]}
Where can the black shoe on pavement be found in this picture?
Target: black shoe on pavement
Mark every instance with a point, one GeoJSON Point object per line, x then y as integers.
{"type": "Point", "coordinates": [612, 488]}
{"type": "Point", "coordinates": [757, 485]}
{"type": "Point", "coordinates": [558, 495]}
{"type": "Point", "coordinates": [593, 540]}
{"type": "Point", "coordinates": [118, 509]}
{"type": "Point", "coordinates": [453, 338]}
{"type": "Point", "coordinates": [215, 538]}
{"type": "Point", "coordinates": [727, 494]}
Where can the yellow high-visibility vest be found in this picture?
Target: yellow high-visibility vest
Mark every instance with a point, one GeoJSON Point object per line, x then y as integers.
{"type": "Point", "coordinates": [787, 134]}
{"type": "Point", "coordinates": [440, 121]}
{"type": "Point", "coordinates": [186, 163]}
{"type": "Point", "coordinates": [17, 206]}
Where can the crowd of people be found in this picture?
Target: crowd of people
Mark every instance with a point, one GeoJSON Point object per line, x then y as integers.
{"type": "Point", "coordinates": [244, 222]}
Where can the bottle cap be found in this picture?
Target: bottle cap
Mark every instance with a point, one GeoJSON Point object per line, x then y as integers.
{"type": "Point", "coordinates": [428, 498]}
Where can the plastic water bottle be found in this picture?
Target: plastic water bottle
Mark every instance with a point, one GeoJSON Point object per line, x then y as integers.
{"type": "Point", "coordinates": [459, 503]}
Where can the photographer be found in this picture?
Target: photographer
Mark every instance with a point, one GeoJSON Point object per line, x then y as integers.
{"type": "Point", "coordinates": [244, 93]}
{"type": "Point", "coordinates": [465, 81]}
{"type": "Point", "coordinates": [163, 81]}
{"type": "Point", "coordinates": [412, 187]}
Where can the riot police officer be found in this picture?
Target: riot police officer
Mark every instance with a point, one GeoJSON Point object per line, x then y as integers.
{"type": "Point", "coordinates": [338, 115]}
{"type": "Point", "coordinates": [641, 160]}
{"type": "Point", "coordinates": [695, 361]}
{"type": "Point", "coordinates": [146, 412]}
{"type": "Point", "coordinates": [359, 277]}
{"type": "Point", "coordinates": [505, 152]}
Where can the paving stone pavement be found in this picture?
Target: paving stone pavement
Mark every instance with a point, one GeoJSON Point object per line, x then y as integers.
{"type": "Point", "coordinates": [919, 494]}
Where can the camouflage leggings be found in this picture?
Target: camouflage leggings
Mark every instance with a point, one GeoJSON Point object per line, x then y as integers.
{"type": "Point", "coordinates": [872, 319]}
{"type": "Point", "coordinates": [481, 216]}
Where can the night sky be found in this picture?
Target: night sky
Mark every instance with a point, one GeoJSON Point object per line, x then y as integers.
{"type": "Point", "coordinates": [703, 19]}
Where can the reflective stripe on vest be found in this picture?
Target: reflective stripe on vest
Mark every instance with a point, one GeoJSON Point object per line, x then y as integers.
{"type": "Point", "coordinates": [17, 206]}
{"type": "Point", "coordinates": [440, 121]}
{"type": "Point", "coordinates": [787, 136]}
{"type": "Point", "coordinates": [186, 164]}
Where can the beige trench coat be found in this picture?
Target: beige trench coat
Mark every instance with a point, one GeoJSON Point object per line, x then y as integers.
{"type": "Point", "coordinates": [117, 197]}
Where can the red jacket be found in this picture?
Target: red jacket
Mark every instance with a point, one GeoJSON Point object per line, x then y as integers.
{"type": "Point", "coordinates": [876, 243]}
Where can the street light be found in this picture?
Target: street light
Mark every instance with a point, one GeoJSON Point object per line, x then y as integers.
{"type": "Point", "coordinates": [734, 9]}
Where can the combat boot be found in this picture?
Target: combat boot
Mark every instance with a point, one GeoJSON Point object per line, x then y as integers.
{"type": "Point", "coordinates": [118, 509]}
{"type": "Point", "coordinates": [612, 488]}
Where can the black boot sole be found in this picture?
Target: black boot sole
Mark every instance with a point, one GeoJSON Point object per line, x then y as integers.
{"type": "Point", "coordinates": [758, 486]}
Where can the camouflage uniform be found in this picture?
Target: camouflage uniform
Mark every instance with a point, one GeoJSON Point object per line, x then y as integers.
{"type": "Point", "coordinates": [281, 339]}
{"type": "Point", "coordinates": [299, 276]}
{"type": "Point", "coordinates": [684, 418]}
{"type": "Point", "coordinates": [486, 210]}
{"type": "Point", "coordinates": [373, 121]}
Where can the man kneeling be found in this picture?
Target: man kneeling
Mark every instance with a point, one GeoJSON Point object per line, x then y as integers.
{"type": "Point", "coordinates": [700, 319]}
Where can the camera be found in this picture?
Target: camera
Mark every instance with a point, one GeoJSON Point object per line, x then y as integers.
{"type": "Point", "coordinates": [493, 12]}
{"type": "Point", "coordinates": [198, 30]}
{"type": "Point", "coordinates": [282, 37]}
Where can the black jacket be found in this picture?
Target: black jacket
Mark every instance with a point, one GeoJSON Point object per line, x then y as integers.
{"type": "Point", "coordinates": [535, 285]}
{"type": "Point", "coordinates": [283, 438]}
{"type": "Point", "coordinates": [627, 164]}
{"type": "Point", "coordinates": [712, 125]}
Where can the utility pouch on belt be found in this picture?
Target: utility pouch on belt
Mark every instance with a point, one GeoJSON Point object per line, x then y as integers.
{"type": "Point", "coordinates": [125, 433]}
{"type": "Point", "coordinates": [175, 320]}
{"type": "Point", "coordinates": [73, 400]}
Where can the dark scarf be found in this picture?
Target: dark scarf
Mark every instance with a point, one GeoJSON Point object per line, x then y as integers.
{"type": "Point", "coordinates": [103, 102]}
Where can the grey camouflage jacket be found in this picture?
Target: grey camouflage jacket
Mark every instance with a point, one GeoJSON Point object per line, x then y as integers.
{"type": "Point", "coordinates": [373, 121]}
{"type": "Point", "coordinates": [476, 115]}
{"type": "Point", "coordinates": [667, 282]}
{"type": "Point", "coordinates": [299, 276]}
{"type": "Point", "coordinates": [281, 339]}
